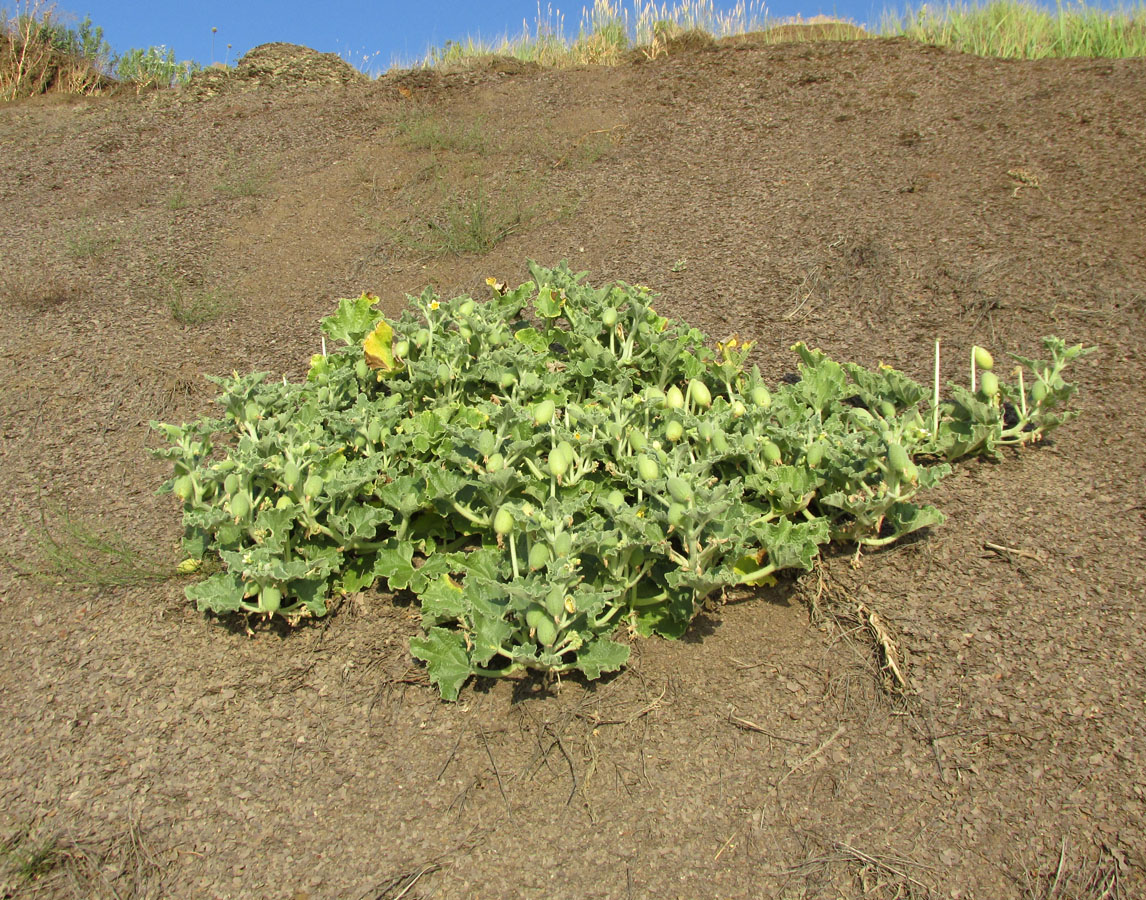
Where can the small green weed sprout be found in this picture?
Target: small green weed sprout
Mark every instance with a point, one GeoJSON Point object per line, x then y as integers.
{"type": "Point", "coordinates": [197, 307]}
{"type": "Point", "coordinates": [423, 130]}
{"type": "Point", "coordinates": [463, 225]}
{"type": "Point", "coordinates": [87, 241]}
{"type": "Point", "coordinates": [246, 184]}
{"type": "Point", "coordinates": [29, 857]}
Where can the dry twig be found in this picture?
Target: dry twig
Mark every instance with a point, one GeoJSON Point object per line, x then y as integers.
{"type": "Point", "coordinates": [1010, 551]}
{"type": "Point", "coordinates": [752, 726]}
{"type": "Point", "coordinates": [811, 756]}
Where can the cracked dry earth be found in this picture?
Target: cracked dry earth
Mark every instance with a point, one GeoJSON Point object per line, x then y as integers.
{"type": "Point", "coordinates": [862, 197]}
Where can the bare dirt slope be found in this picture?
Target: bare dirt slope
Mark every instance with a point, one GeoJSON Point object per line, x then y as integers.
{"type": "Point", "coordinates": [864, 197]}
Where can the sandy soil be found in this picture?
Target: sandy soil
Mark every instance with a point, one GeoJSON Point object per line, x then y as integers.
{"type": "Point", "coordinates": [863, 197]}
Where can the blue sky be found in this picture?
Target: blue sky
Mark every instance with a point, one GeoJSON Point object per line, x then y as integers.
{"type": "Point", "coordinates": [384, 32]}
{"type": "Point", "coordinates": [372, 36]}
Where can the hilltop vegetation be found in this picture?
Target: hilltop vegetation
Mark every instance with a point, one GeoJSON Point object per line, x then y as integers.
{"type": "Point", "coordinates": [40, 52]}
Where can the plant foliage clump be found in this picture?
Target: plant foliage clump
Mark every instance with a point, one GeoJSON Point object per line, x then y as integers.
{"type": "Point", "coordinates": [560, 463]}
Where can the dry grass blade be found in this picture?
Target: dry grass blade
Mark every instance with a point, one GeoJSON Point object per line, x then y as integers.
{"type": "Point", "coordinates": [76, 552]}
{"type": "Point", "coordinates": [888, 651]}
{"type": "Point", "coordinates": [399, 886]}
{"type": "Point", "coordinates": [1070, 877]}
{"type": "Point", "coordinates": [879, 875]}
{"type": "Point", "coordinates": [832, 601]}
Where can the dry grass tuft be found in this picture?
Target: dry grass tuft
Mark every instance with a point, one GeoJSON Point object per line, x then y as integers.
{"type": "Point", "coordinates": [122, 864]}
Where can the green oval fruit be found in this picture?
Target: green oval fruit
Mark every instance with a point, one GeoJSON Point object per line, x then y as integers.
{"type": "Point", "coordinates": [402, 349]}
{"type": "Point", "coordinates": [562, 544]}
{"type": "Point", "coordinates": [699, 393]}
{"type": "Point", "coordinates": [313, 486]}
{"type": "Point", "coordinates": [983, 359]}
{"type": "Point", "coordinates": [887, 409]}
{"type": "Point", "coordinates": [444, 374]}
{"type": "Point", "coordinates": [676, 513]}
{"type": "Point", "coordinates": [555, 601]}
{"type": "Point", "coordinates": [231, 484]}
{"type": "Point", "coordinates": [637, 557]}
{"type": "Point", "coordinates": [466, 332]}
{"type": "Point", "coordinates": [761, 397]}
{"type": "Point", "coordinates": [616, 499]}
{"type": "Point", "coordinates": [705, 430]}
{"type": "Point", "coordinates": [543, 412]}
{"type": "Point", "coordinates": [609, 317]}
{"type": "Point", "coordinates": [546, 631]}
{"type": "Point", "coordinates": [637, 440]}
{"type": "Point", "coordinates": [421, 337]}
{"type": "Point", "coordinates": [680, 489]}
{"type": "Point", "coordinates": [738, 409]}
{"type": "Point", "coordinates": [897, 458]}
{"type": "Point", "coordinates": [558, 462]}
{"type": "Point", "coordinates": [989, 385]}
{"type": "Point", "coordinates": [770, 452]}
{"type": "Point", "coordinates": [503, 521]}
{"type": "Point", "coordinates": [674, 431]}
{"type": "Point", "coordinates": [1039, 392]}
{"type": "Point", "coordinates": [814, 455]}
{"type": "Point", "coordinates": [495, 463]}
{"type": "Point", "coordinates": [466, 309]}
{"type": "Point", "coordinates": [284, 502]}
{"type": "Point", "coordinates": [654, 395]}
{"type": "Point", "coordinates": [184, 487]}
{"type": "Point", "coordinates": [270, 599]}
{"type": "Point", "coordinates": [374, 430]}
{"type": "Point", "coordinates": [539, 555]}
{"type": "Point", "coordinates": [535, 615]}
{"type": "Point", "coordinates": [361, 369]}
{"type": "Point", "coordinates": [910, 473]}
{"type": "Point", "coordinates": [291, 474]}
{"type": "Point", "coordinates": [240, 505]}
{"type": "Point", "coordinates": [720, 443]}
{"type": "Point", "coordinates": [507, 381]}
{"type": "Point", "coordinates": [674, 399]}
{"type": "Point", "coordinates": [647, 468]}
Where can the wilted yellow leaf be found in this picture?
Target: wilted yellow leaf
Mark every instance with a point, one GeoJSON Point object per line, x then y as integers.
{"type": "Point", "coordinates": [379, 350]}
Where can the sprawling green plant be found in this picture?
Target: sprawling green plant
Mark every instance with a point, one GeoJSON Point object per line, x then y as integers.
{"type": "Point", "coordinates": [558, 463]}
